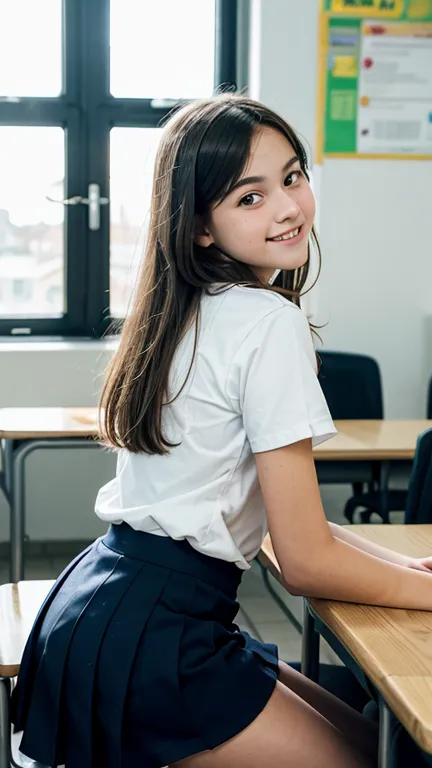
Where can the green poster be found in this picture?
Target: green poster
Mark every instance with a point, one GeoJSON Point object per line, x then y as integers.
{"type": "Point", "coordinates": [343, 53]}
{"type": "Point", "coordinates": [375, 86]}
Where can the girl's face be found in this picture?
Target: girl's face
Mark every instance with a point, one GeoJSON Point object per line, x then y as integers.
{"type": "Point", "coordinates": [266, 219]}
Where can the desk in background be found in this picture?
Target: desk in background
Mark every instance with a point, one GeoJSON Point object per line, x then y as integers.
{"type": "Point", "coordinates": [366, 452]}
{"type": "Point", "coordinates": [385, 441]}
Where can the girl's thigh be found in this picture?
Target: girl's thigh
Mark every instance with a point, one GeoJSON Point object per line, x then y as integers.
{"type": "Point", "coordinates": [288, 733]}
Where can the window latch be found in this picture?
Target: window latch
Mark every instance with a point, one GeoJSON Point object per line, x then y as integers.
{"type": "Point", "coordinates": [94, 202]}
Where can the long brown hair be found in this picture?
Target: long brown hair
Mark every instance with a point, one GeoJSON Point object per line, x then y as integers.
{"type": "Point", "coordinates": [203, 152]}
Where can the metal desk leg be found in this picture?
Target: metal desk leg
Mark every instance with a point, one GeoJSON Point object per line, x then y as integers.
{"type": "Point", "coordinates": [4, 723]}
{"type": "Point", "coordinates": [310, 645]}
{"type": "Point", "coordinates": [385, 735]}
{"type": "Point", "coordinates": [384, 488]}
{"type": "Point", "coordinates": [17, 491]}
{"type": "Point", "coordinates": [17, 510]}
{"type": "Point", "coordinates": [6, 452]}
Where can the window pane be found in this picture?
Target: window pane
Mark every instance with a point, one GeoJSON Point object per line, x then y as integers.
{"type": "Point", "coordinates": [162, 49]}
{"type": "Point", "coordinates": [132, 156]}
{"type": "Point", "coordinates": [31, 228]}
{"type": "Point", "coordinates": [30, 49]}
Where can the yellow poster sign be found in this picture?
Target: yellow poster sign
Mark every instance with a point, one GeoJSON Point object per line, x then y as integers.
{"type": "Point", "coordinates": [384, 9]}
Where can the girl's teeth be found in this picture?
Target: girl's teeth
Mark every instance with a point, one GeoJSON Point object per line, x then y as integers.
{"type": "Point", "coordinates": [289, 236]}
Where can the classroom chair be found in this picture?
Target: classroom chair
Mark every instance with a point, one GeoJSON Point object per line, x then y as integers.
{"type": "Point", "coordinates": [419, 500]}
{"type": "Point", "coordinates": [19, 605]}
{"type": "Point", "coordinates": [352, 387]}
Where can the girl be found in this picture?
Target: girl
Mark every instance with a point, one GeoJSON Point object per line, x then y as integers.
{"type": "Point", "coordinates": [213, 404]}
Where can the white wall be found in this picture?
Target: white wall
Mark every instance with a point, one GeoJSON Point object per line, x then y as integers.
{"type": "Point", "coordinates": [375, 288]}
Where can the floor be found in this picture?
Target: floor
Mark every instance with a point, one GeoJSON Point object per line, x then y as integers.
{"type": "Point", "coordinates": [259, 614]}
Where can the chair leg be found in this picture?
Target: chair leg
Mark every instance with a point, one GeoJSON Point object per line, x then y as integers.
{"type": "Point", "coordinates": [4, 723]}
{"type": "Point", "coordinates": [350, 508]}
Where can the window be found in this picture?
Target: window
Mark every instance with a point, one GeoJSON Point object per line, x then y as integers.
{"type": "Point", "coordinates": [80, 108]}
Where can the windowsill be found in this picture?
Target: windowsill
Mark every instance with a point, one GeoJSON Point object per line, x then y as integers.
{"type": "Point", "coordinates": [58, 344]}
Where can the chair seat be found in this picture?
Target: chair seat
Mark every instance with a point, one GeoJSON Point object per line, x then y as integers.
{"type": "Point", "coordinates": [19, 605]}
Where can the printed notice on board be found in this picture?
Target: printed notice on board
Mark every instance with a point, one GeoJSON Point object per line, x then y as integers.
{"type": "Point", "coordinates": [376, 59]}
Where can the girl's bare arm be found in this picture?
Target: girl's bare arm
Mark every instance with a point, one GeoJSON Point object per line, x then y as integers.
{"type": "Point", "coordinates": [339, 532]}
{"type": "Point", "coordinates": [313, 561]}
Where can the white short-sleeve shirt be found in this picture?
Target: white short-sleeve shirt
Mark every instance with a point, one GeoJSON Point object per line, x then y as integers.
{"type": "Point", "coordinates": [253, 387]}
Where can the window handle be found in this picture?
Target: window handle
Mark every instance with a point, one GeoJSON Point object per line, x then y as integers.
{"type": "Point", "coordinates": [94, 202]}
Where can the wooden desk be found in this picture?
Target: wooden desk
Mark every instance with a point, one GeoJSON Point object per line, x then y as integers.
{"type": "Point", "coordinates": [392, 647]}
{"type": "Point", "coordinates": [29, 423]}
{"type": "Point", "coordinates": [385, 440]}
{"type": "Point", "coordinates": [22, 431]}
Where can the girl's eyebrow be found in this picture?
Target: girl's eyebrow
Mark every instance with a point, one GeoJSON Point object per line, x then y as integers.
{"type": "Point", "coordinates": [260, 179]}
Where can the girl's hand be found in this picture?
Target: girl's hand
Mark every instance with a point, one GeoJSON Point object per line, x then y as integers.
{"type": "Point", "coordinates": [421, 564]}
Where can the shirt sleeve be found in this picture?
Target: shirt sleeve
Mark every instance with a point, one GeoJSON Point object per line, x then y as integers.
{"type": "Point", "coordinates": [273, 383]}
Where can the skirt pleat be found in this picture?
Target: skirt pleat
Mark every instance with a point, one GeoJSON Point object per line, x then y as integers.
{"type": "Point", "coordinates": [135, 660]}
{"type": "Point", "coordinates": [116, 662]}
{"type": "Point", "coordinates": [50, 658]}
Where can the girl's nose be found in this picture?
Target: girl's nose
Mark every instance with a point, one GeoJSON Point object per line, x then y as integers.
{"type": "Point", "coordinates": [286, 207]}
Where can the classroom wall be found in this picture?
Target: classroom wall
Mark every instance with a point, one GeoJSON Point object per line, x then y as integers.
{"type": "Point", "coordinates": [374, 293]}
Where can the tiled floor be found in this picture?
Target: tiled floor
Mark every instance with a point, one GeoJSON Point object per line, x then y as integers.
{"type": "Point", "coordinates": [259, 614]}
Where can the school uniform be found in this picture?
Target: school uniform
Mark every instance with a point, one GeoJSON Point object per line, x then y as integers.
{"type": "Point", "coordinates": [134, 658]}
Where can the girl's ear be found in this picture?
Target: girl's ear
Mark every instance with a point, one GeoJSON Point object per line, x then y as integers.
{"type": "Point", "coordinates": [202, 236]}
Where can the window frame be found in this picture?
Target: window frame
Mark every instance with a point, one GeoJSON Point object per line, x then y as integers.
{"type": "Point", "coordinates": [87, 112]}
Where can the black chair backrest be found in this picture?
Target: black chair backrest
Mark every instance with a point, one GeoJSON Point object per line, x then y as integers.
{"type": "Point", "coordinates": [419, 502]}
{"type": "Point", "coordinates": [429, 401]}
{"type": "Point", "coordinates": [352, 385]}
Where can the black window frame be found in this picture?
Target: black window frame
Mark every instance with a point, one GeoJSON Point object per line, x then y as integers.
{"type": "Point", "coordinates": [87, 111]}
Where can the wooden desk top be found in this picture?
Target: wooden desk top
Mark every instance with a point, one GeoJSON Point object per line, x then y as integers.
{"type": "Point", "coordinates": [19, 604]}
{"type": "Point", "coordinates": [356, 440]}
{"type": "Point", "coordinates": [372, 440]}
{"type": "Point", "coordinates": [393, 647]}
{"type": "Point", "coordinates": [23, 423]}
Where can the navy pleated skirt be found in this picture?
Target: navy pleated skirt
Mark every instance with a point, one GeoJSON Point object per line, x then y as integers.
{"type": "Point", "coordinates": [134, 659]}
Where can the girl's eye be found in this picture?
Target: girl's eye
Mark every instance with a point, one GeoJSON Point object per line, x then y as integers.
{"type": "Point", "coordinates": [293, 178]}
{"type": "Point", "coordinates": [249, 199]}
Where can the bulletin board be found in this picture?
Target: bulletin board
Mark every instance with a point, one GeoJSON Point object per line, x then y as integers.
{"type": "Point", "coordinates": [375, 79]}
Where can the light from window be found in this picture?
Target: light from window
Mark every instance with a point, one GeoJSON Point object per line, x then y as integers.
{"type": "Point", "coordinates": [30, 48]}
{"type": "Point", "coordinates": [31, 228]}
{"type": "Point", "coordinates": [162, 49]}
